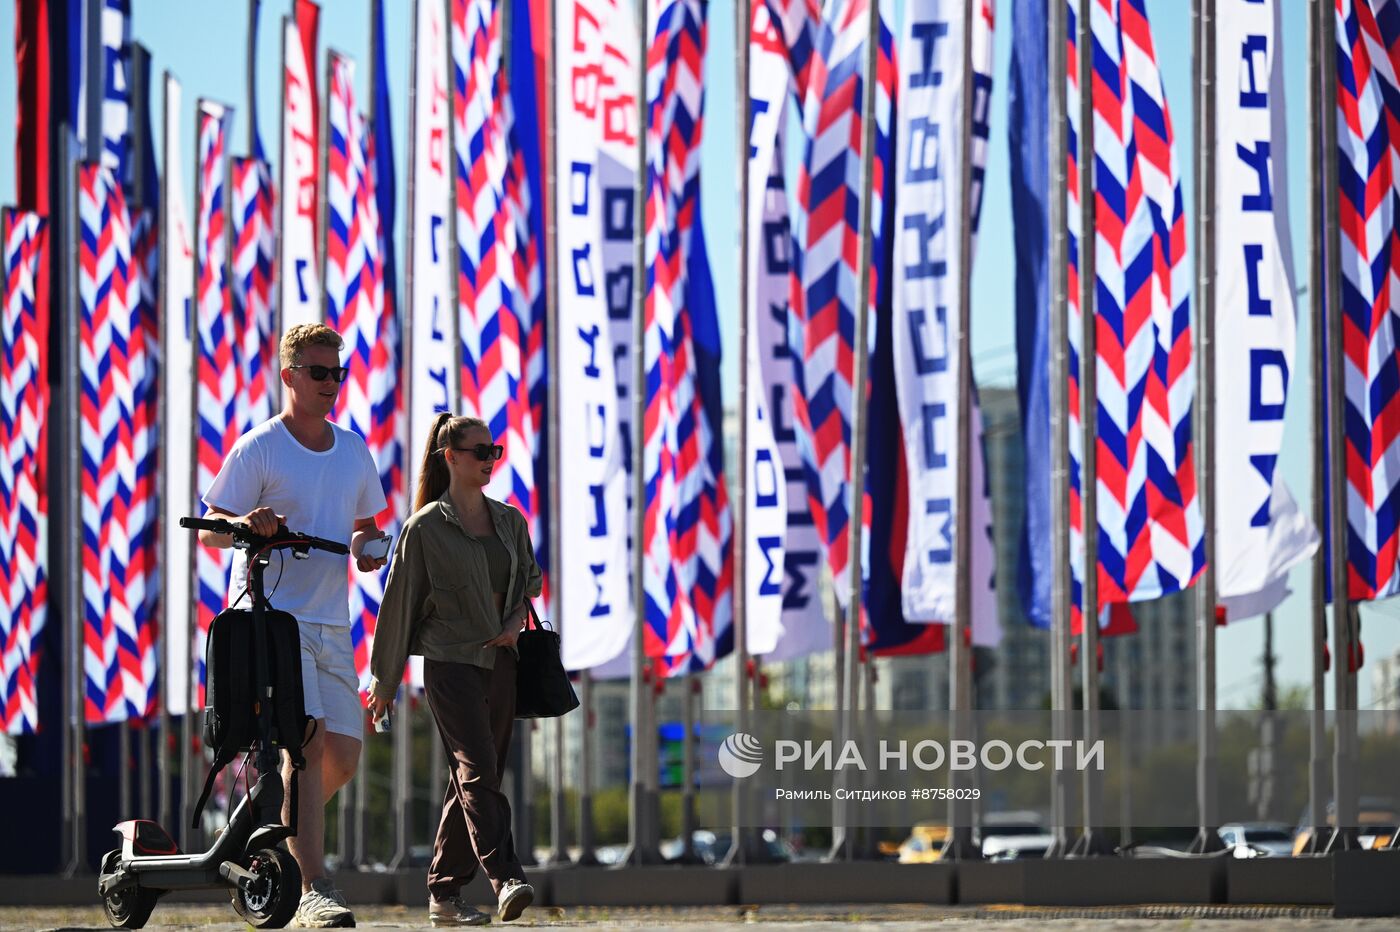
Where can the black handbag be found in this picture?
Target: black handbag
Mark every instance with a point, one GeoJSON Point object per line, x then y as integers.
{"type": "Point", "coordinates": [542, 688]}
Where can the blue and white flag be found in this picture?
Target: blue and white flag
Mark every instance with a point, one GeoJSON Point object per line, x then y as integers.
{"type": "Point", "coordinates": [1260, 532]}
{"type": "Point", "coordinates": [927, 267]}
{"type": "Point", "coordinates": [593, 494]}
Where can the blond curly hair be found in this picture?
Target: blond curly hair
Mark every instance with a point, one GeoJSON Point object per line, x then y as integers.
{"type": "Point", "coordinates": [302, 336]}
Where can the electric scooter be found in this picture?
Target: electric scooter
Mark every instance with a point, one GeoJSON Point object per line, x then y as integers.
{"type": "Point", "coordinates": [264, 879]}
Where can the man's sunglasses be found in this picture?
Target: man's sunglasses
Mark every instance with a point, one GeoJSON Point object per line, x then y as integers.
{"type": "Point", "coordinates": [321, 373]}
{"type": "Point", "coordinates": [484, 451]}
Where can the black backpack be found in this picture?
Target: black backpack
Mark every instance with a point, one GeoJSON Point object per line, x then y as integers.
{"type": "Point", "coordinates": [230, 708]}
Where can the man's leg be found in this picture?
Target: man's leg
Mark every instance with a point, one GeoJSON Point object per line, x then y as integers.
{"type": "Point", "coordinates": [308, 847]}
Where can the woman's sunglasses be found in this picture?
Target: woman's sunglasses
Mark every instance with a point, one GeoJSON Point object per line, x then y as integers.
{"type": "Point", "coordinates": [485, 452]}
{"type": "Point", "coordinates": [321, 373]}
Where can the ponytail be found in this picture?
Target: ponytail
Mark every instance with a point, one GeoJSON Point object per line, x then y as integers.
{"type": "Point", "coordinates": [433, 476]}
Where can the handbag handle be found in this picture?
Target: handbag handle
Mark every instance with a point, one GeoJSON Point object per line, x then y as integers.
{"type": "Point", "coordinates": [539, 625]}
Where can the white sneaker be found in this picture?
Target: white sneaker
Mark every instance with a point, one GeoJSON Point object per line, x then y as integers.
{"type": "Point", "coordinates": [455, 912]}
{"type": "Point", "coordinates": [515, 896]}
{"type": "Point", "coordinates": [323, 907]}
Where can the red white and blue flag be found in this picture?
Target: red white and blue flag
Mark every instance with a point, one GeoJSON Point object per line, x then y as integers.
{"type": "Point", "coordinates": [687, 525]}
{"type": "Point", "coordinates": [355, 309]}
{"type": "Point", "coordinates": [1368, 34]}
{"type": "Point", "coordinates": [594, 591]}
{"type": "Point", "coordinates": [114, 687]}
{"type": "Point", "coordinates": [1150, 533]}
{"type": "Point", "coordinates": [254, 241]}
{"type": "Point", "coordinates": [298, 274]}
{"type": "Point", "coordinates": [494, 315]}
{"type": "Point", "coordinates": [24, 525]}
{"type": "Point", "coordinates": [216, 357]}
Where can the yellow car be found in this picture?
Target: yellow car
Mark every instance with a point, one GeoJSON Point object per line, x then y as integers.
{"type": "Point", "coordinates": [924, 844]}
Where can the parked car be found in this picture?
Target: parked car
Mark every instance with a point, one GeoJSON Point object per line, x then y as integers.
{"type": "Point", "coordinates": [1017, 847]}
{"type": "Point", "coordinates": [1258, 839]}
{"type": "Point", "coordinates": [924, 844]}
{"type": "Point", "coordinates": [1376, 816]}
{"type": "Point", "coordinates": [1004, 831]}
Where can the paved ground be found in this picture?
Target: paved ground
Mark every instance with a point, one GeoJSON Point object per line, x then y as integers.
{"type": "Point", "coordinates": [772, 918]}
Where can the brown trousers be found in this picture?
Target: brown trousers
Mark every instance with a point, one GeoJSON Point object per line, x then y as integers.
{"type": "Point", "coordinates": [475, 712]}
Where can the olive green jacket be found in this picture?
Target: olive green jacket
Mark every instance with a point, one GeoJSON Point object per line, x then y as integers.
{"type": "Point", "coordinates": [438, 601]}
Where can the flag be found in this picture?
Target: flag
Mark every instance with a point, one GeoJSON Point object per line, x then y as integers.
{"type": "Point", "coordinates": [177, 447]}
{"type": "Point", "coordinates": [143, 567]}
{"type": "Point", "coordinates": [255, 346]}
{"type": "Point", "coordinates": [298, 274]}
{"type": "Point", "coordinates": [433, 375]}
{"type": "Point", "coordinates": [216, 363]}
{"type": "Point", "coordinates": [33, 112]}
{"type": "Point", "coordinates": [927, 268]}
{"type": "Point", "coordinates": [597, 626]}
{"type": "Point", "coordinates": [254, 13]}
{"type": "Point", "coordinates": [525, 199]}
{"type": "Point", "coordinates": [785, 615]}
{"type": "Point", "coordinates": [355, 310]}
{"type": "Point", "coordinates": [114, 689]}
{"type": "Point", "coordinates": [115, 87]}
{"type": "Point", "coordinates": [24, 408]}
{"type": "Point", "coordinates": [492, 333]}
{"type": "Point", "coordinates": [686, 522]}
{"type": "Point", "coordinates": [1367, 32]}
{"type": "Point", "coordinates": [1260, 532]}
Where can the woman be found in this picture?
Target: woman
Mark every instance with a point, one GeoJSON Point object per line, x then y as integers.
{"type": "Point", "coordinates": [457, 594]}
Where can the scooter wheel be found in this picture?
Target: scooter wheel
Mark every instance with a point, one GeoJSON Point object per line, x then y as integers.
{"type": "Point", "coordinates": [271, 902]}
{"type": "Point", "coordinates": [130, 908]}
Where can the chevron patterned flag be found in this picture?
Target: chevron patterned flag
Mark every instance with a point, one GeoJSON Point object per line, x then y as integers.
{"type": "Point", "coordinates": [687, 530]}
{"type": "Point", "coordinates": [1150, 533]}
{"type": "Point", "coordinates": [216, 361]}
{"type": "Point", "coordinates": [354, 305]}
{"type": "Point", "coordinates": [107, 307]}
{"type": "Point", "coordinates": [24, 523]}
{"type": "Point", "coordinates": [494, 334]}
{"type": "Point", "coordinates": [525, 198]}
{"type": "Point", "coordinates": [827, 267]}
{"type": "Point", "coordinates": [254, 241]}
{"type": "Point", "coordinates": [143, 567]}
{"type": "Point", "coordinates": [1368, 32]}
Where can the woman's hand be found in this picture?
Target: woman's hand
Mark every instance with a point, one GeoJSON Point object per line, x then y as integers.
{"type": "Point", "coordinates": [510, 631]}
{"type": "Point", "coordinates": [379, 707]}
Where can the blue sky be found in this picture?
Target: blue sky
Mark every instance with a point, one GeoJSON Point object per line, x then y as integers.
{"type": "Point", "coordinates": [203, 42]}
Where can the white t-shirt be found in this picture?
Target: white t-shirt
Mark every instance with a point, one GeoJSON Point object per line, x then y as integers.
{"type": "Point", "coordinates": [322, 494]}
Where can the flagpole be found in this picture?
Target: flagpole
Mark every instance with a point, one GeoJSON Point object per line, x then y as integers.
{"type": "Point", "coordinates": [251, 72]}
{"type": "Point", "coordinates": [1343, 777]}
{"type": "Point", "coordinates": [163, 381]}
{"type": "Point", "coordinates": [743, 20]}
{"type": "Point", "coordinates": [1092, 842]}
{"type": "Point", "coordinates": [403, 791]}
{"type": "Point", "coordinates": [959, 845]}
{"type": "Point", "coordinates": [1317, 726]}
{"type": "Point", "coordinates": [855, 482]}
{"type": "Point", "coordinates": [75, 853]}
{"type": "Point", "coordinates": [1061, 689]}
{"type": "Point", "coordinates": [639, 847]}
{"type": "Point", "coordinates": [1204, 117]}
{"type": "Point", "coordinates": [189, 834]}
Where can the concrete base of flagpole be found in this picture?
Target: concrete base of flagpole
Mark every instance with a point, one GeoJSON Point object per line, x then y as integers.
{"type": "Point", "coordinates": [1207, 841]}
{"type": "Point", "coordinates": [960, 846]}
{"type": "Point", "coordinates": [1092, 843]}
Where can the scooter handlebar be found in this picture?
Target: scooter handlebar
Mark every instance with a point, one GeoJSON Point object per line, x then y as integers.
{"type": "Point", "coordinates": [241, 533]}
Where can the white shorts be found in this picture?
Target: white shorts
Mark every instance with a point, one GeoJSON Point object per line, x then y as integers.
{"type": "Point", "coordinates": [329, 683]}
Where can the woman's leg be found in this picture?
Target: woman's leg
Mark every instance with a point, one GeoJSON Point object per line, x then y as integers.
{"type": "Point", "coordinates": [459, 695]}
{"type": "Point", "coordinates": [502, 708]}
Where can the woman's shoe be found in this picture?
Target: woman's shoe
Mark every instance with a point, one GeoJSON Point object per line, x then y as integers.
{"type": "Point", "coordinates": [515, 896]}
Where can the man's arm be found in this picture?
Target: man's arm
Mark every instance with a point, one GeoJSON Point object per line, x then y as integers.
{"type": "Point", "coordinates": [365, 530]}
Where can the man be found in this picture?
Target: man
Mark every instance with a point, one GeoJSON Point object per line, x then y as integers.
{"type": "Point", "coordinates": [301, 470]}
